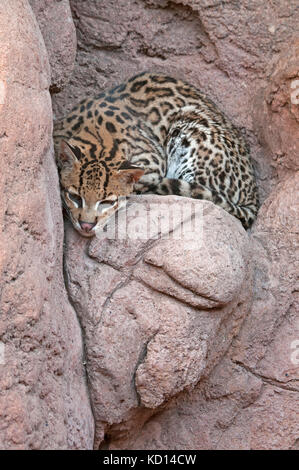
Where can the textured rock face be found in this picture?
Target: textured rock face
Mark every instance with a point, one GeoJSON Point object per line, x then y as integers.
{"type": "Point", "coordinates": [157, 312]}
{"type": "Point", "coordinates": [277, 111]}
{"type": "Point", "coordinates": [43, 397]}
{"type": "Point", "coordinates": [58, 30]}
{"type": "Point", "coordinates": [245, 56]}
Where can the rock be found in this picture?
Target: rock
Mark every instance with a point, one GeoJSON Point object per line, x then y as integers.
{"type": "Point", "coordinates": [153, 326]}
{"type": "Point", "coordinates": [249, 401]}
{"type": "Point", "coordinates": [277, 111]}
{"type": "Point", "coordinates": [44, 401]}
{"type": "Point", "coordinates": [59, 33]}
{"type": "Point", "coordinates": [272, 325]}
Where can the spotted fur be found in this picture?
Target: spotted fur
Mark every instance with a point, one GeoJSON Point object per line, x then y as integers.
{"type": "Point", "coordinates": [151, 134]}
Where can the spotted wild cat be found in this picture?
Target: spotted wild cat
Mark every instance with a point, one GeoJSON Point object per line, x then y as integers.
{"type": "Point", "coordinates": [154, 134]}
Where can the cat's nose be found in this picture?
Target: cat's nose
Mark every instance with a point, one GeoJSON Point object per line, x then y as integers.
{"type": "Point", "coordinates": [87, 226]}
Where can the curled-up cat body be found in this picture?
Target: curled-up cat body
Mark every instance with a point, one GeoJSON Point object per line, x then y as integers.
{"type": "Point", "coordinates": [152, 134]}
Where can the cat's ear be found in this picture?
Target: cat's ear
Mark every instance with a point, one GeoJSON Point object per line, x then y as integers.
{"type": "Point", "coordinates": [67, 156]}
{"type": "Point", "coordinates": [131, 173]}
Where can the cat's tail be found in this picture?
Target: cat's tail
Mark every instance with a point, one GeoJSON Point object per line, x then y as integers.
{"type": "Point", "coordinates": [245, 212]}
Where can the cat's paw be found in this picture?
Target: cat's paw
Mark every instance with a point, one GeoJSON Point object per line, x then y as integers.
{"type": "Point", "coordinates": [147, 183]}
{"type": "Point", "coordinates": [146, 187]}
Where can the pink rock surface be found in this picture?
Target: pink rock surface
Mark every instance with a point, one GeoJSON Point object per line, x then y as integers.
{"type": "Point", "coordinates": [154, 325]}
{"type": "Point", "coordinates": [43, 396]}
{"type": "Point", "coordinates": [58, 30]}
{"type": "Point", "coordinates": [277, 111]}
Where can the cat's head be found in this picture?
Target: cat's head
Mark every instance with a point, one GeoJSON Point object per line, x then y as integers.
{"type": "Point", "coordinates": [92, 189]}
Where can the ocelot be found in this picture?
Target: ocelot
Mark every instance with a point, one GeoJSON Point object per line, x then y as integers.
{"type": "Point", "coordinates": [151, 134]}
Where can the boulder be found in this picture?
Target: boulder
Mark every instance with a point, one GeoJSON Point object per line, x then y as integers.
{"type": "Point", "coordinates": [160, 295]}
{"type": "Point", "coordinates": [250, 399]}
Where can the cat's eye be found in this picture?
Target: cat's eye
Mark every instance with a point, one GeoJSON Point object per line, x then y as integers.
{"type": "Point", "coordinates": [107, 201]}
{"type": "Point", "coordinates": [75, 198]}
{"type": "Point", "coordinates": [106, 204]}
{"type": "Point", "coordinates": [175, 133]}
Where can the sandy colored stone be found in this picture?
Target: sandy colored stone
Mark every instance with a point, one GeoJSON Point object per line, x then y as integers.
{"type": "Point", "coordinates": [43, 396]}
